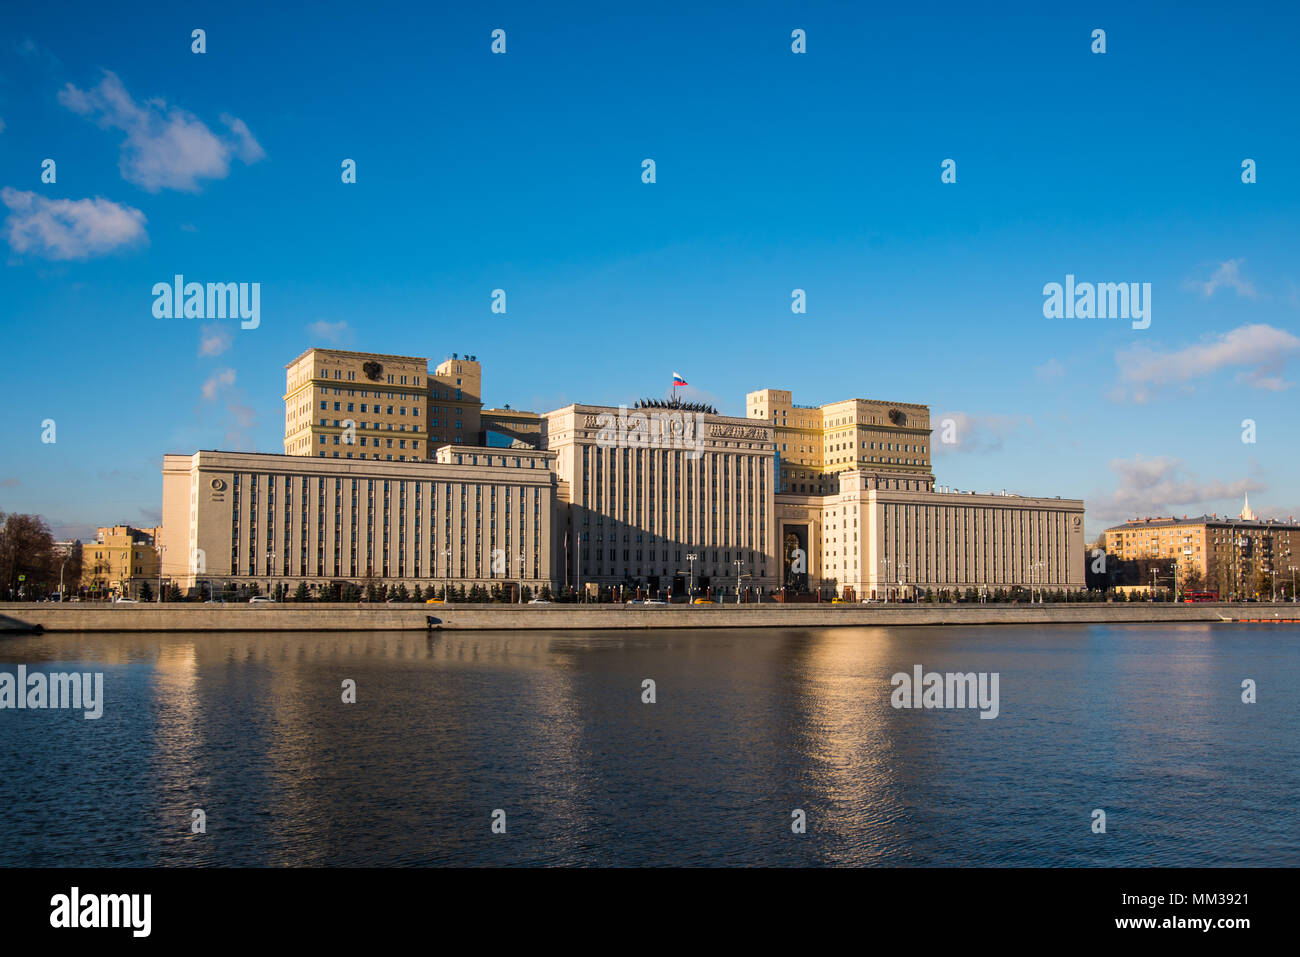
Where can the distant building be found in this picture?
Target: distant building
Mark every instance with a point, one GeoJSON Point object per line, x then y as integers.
{"type": "Point", "coordinates": [119, 561]}
{"type": "Point", "coordinates": [1234, 557]}
{"type": "Point", "coordinates": [503, 428]}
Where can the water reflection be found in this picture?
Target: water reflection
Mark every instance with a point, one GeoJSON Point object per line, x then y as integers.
{"type": "Point", "coordinates": [748, 725]}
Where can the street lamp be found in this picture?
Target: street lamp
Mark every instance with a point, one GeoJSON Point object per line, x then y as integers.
{"type": "Point", "coordinates": [446, 588]}
{"type": "Point", "coordinates": [739, 564]}
{"type": "Point", "coordinates": [885, 578]}
{"type": "Point", "coordinates": [162, 550]}
{"type": "Point", "coordinates": [66, 556]}
{"type": "Point", "coordinates": [690, 593]}
{"type": "Point", "coordinates": [521, 575]}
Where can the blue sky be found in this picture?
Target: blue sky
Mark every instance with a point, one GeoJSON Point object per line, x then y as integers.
{"type": "Point", "coordinates": [775, 171]}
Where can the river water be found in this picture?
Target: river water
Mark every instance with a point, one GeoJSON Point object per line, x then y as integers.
{"type": "Point", "coordinates": [748, 726]}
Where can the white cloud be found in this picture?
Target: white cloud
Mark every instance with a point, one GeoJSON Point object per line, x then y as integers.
{"type": "Point", "coordinates": [1226, 275]}
{"type": "Point", "coordinates": [974, 433]}
{"type": "Point", "coordinates": [1161, 486]}
{"type": "Point", "coordinates": [240, 417]}
{"type": "Point", "coordinates": [1050, 371]}
{"type": "Point", "coordinates": [67, 228]}
{"type": "Point", "coordinates": [1259, 353]}
{"type": "Point", "coordinates": [249, 150]}
{"type": "Point", "coordinates": [165, 147]}
{"type": "Point", "coordinates": [221, 379]}
{"type": "Point", "coordinates": [333, 332]}
{"type": "Point", "coordinates": [213, 340]}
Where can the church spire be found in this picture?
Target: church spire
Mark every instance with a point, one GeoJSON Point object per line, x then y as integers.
{"type": "Point", "coordinates": [1246, 514]}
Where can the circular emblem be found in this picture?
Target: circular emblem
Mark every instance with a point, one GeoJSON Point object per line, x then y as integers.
{"type": "Point", "coordinates": [217, 485]}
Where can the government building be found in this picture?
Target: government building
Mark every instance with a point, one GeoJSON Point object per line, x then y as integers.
{"type": "Point", "coordinates": [394, 472]}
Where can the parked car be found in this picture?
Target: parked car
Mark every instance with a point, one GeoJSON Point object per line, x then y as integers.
{"type": "Point", "coordinates": [125, 601]}
{"type": "Point", "coordinates": [539, 601]}
{"type": "Point", "coordinates": [703, 601]}
{"type": "Point", "coordinates": [261, 600]}
{"type": "Point", "coordinates": [434, 601]}
{"type": "Point", "coordinates": [655, 601]}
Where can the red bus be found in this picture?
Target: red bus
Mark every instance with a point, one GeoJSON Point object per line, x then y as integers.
{"type": "Point", "coordinates": [1200, 596]}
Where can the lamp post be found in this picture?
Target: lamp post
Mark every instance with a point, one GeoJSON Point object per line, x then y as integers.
{"type": "Point", "coordinates": [1041, 578]}
{"type": "Point", "coordinates": [521, 576]}
{"type": "Point", "coordinates": [739, 564]}
{"type": "Point", "coordinates": [901, 568]}
{"type": "Point", "coordinates": [446, 576]}
{"type": "Point", "coordinates": [162, 550]}
{"type": "Point", "coordinates": [885, 578]}
{"type": "Point", "coordinates": [690, 593]}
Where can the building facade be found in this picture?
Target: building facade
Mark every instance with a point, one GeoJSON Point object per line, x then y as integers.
{"type": "Point", "coordinates": [366, 405]}
{"type": "Point", "coordinates": [1242, 557]}
{"type": "Point", "coordinates": [119, 561]}
{"type": "Point", "coordinates": [813, 443]}
{"type": "Point", "coordinates": [890, 535]}
{"type": "Point", "coordinates": [474, 516]}
{"type": "Point", "coordinates": [665, 498]}
{"type": "Point", "coordinates": [377, 483]}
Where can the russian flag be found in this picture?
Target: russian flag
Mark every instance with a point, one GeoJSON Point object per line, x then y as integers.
{"type": "Point", "coordinates": [678, 380]}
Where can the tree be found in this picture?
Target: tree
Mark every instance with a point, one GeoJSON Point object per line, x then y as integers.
{"type": "Point", "coordinates": [546, 593]}
{"type": "Point", "coordinates": [174, 593]}
{"type": "Point", "coordinates": [417, 595]}
{"type": "Point", "coordinates": [372, 593]}
{"type": "Point", "coordinates": [27, 549]}
{"type": "Point", "coordinates": [400, 594]}
{"type": "Point", "coordinates": [1264, 584]}
{"type": "Point", "coordinates": [301, 593]}
{"type": "Point", "coordinates": [146, 592]}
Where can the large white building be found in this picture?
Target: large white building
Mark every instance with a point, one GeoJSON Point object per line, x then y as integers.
{"type": "Point", "coordinates": [473, 516]}
{"type": "Point", "coordinates": [837, 498]}
{"type": "Point", "coordinates": [663, 497]}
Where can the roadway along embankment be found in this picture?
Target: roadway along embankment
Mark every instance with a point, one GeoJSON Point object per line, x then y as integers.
{"type": "Point", "coordinates": [90, 617]}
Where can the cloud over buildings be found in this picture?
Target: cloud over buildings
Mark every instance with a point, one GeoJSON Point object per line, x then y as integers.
{"type": "Point", "coordinates": [1258, 353]}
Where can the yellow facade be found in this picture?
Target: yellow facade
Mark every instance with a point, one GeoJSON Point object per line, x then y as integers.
{"type": "Point", "coordinates": [120, 561]}
{"type": "Point", "coordinates": [815, 442]}
{"type": "Point", "coordinates": [365, 405]}
{"type": "Point", "coordinates": [1235, 557]}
